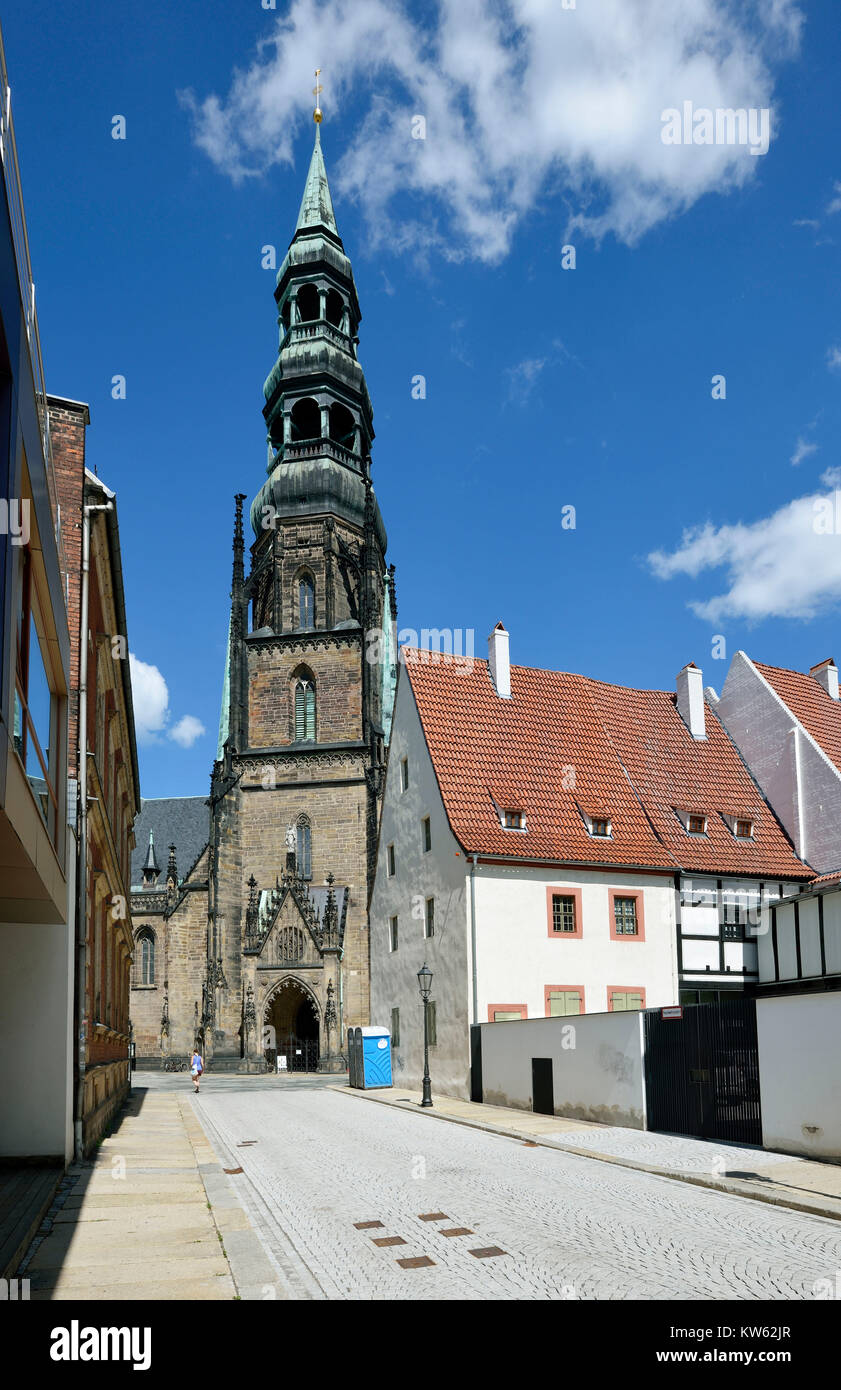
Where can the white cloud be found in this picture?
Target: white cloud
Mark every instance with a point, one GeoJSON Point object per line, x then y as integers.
{"type": "Point", "coordinates": [802, 450]}
{"type": "Point", "coordinates": [187, 730]}
{"type": "Point", "coordinates": [523, 378]}
{"type": "Point", "coordinates": [150, 697]}
{"type": "Point", "coordinates": [517, 100]}
{"type": "Point", "coordinates": [781, 566]}
{"type": "Point", "coordinates": [833, 358]}
{"type": "Point", "coordinates": [834, 204]}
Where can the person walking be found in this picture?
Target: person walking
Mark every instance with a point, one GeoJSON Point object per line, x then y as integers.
{"type": "Point", "coordinates": [196, 1069]}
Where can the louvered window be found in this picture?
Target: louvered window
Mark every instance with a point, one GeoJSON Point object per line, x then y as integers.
{"type": "Point", "coordinates": [305, 711]}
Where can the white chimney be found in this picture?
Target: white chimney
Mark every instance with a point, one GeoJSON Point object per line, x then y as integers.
{"type": "Point", "coordinates": [498, 662]}
{"type": "Point", "coordinates": [690, 700]}
{"type": "Point", "coordinates": [826, 674]}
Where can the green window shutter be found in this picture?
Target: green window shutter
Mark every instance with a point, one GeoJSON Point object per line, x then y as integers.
{"type": "Point", "coordinates": [300, 712]}
{"type": "Point", "coordinates": [310, 713]}
{"type": "Point", "coordinates": [564, 1003]}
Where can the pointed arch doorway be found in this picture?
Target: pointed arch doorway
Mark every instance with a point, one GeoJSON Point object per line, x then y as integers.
{"type": "Point", "coordinates": [293, 1016]}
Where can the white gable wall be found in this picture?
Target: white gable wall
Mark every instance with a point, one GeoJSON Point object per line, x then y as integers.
{"type": "Point", "coordinates": [807, 800]}
{"type": "Point", "coordinates": [440, 874]}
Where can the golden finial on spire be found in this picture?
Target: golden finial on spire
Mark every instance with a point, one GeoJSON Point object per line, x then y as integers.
{"type": "Point", "coordinates": [316, 91]}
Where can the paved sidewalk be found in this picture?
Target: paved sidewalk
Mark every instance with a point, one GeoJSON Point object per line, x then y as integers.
{"type": "Point", "coordinates": [798, 1183]}
{"type": "Point", "coordinates": [151, 1216]}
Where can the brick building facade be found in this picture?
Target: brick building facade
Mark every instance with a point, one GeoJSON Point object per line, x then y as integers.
{"type": "Point", "coordinates": [113, 784]}
{"type": "Point", "coordinates": [263, 943]}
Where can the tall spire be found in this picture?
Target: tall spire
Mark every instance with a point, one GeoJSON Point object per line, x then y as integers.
{"type": "Point", "coordinates": [317, 205]}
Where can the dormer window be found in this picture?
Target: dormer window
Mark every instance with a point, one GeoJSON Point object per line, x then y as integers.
{"type": "Point", "coordinates": [513, 820]}
{"type": "Point", "coordinates": [741, 826]}
{"type": "Point", "coordinates": [597, 820]}
{"type": "Point", "coordinates": [693, 822]}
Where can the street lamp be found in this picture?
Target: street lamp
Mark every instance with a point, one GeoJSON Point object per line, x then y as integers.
{"type": "Point", "coordinates": [425, 986]}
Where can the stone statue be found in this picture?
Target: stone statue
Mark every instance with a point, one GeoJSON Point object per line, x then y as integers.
{"type": "Point", "coordinates": [290, 839]}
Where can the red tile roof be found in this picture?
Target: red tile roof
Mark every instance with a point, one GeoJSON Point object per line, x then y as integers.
{"type": "Point", "coordinates": [819, 714]}
{"type": "Point", "coordinates": [825, 878]}
{"type": "Point", "coordinates": [564, 743]}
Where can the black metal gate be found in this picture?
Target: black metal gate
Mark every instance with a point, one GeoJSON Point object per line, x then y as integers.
{"type": "Point", "coordinates": [301, 1054]}
{"type": "Point", "coordinates": [702, 1071]}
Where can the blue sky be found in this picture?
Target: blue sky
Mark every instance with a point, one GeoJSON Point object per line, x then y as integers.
{"type": "Point", "coordinates": [545, 387]}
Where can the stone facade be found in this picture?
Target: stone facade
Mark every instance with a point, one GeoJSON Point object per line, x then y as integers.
{"type": "Point", "coordinates": [262, 947]}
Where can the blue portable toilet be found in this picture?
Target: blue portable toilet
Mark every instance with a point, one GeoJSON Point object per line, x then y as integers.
{"type": "Point", "coordinates": [376, 1057]}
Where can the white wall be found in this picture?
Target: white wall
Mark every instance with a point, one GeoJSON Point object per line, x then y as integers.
{"type": "Point", "coordinates": [800, 1073]}
{"type": "Point", "coordinates": [760, 725]}
{"type": "Point", "coordinates": [597, 1065]}
{"type": "Point", "coordinates": [517, 957]}
{"type": "Point", "coordinates": [440, 873]}
{"type": "Point", "coordinates": [35, 1061]}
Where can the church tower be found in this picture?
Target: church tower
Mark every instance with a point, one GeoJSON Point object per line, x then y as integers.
{"type": "Point", "coordinates": [308, 690]}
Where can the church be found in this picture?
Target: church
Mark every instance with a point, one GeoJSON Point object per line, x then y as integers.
{"type": "Point", "coordinates": [257, 950]}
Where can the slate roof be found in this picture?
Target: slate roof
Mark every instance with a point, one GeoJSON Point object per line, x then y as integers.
{"type": "Point", "coordinates": [815, 708]}
{"type": "Point", "coordinates": [564, 744]}
{"type": "Point", "coordinates": [180, 820]}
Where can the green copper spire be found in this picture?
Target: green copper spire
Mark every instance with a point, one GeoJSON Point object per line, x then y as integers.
{"type": "Point", "coordinates": [316, 204]}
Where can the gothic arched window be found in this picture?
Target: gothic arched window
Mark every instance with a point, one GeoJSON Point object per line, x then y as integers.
{"type": "Point", "coordinates": [304, 855]}
{"type": "Point", "coordinates": [146, 957]}
{"type": "Point", "coordinates": [306, 602]}
{"type": "Point", "coordinates": [305, 710]}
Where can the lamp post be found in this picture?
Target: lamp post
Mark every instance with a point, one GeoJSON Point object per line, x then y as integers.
{"type": "Point", "coordinates": [425, 985]}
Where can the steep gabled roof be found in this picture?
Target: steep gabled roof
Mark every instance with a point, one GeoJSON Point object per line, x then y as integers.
{"type": "Point", "coordinates": [816, 710]}
{"type": "Point", "coordinates": [183, 821]}
{"type": "Point", "coordinates": [564, 745]}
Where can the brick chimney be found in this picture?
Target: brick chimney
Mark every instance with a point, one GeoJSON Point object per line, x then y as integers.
{"type": "Point", "coordinates": [498, 662]}
{"type": "Point", "coordinates": [826, 674]}
{"type": "Point", "coordinates": [690, 700]}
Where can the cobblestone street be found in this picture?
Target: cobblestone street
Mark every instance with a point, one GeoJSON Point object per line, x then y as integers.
{"type": "Point", "coordinates": [338, 1190]}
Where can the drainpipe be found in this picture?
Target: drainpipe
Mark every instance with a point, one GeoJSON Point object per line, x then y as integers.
{"type": "Point", "coordinates": [473, 938]}
{"type": "Point", "coordinates": [82, 831]}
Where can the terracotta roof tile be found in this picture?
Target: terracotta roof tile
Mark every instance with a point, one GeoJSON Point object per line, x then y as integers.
{"type": "Point", "coordinates": [564, 741]}
{"type": "Point", "coordinates": [819, 714]}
